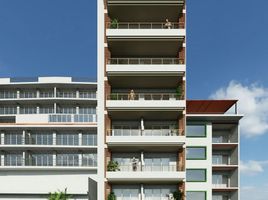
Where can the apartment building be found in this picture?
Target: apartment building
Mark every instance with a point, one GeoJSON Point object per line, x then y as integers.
{"type": "Point", "coordinates": [153, 143]}
{"type": "Point", "coordinates": [48, 128]}
{"type": "Point", "coordinates": [142, 105]}
{"type": "Point", "coordinates": [212, 146]}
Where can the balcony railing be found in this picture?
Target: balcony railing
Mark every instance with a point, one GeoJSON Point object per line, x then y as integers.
{"type": "Point", "coordinates": [72, 118]}
{"type": "Point", "coordinates": [145, 61]}
{"type": "Point", "coordinates": [145, 96]}
{"type": "Point", "coordinates": [145, 25]}
{"type": "Point", "coordinates": [148, 167]}
{"type": "Point", "coordinates": [146, 132]}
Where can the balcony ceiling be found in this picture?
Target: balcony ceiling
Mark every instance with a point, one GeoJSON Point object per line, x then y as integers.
{"type": "Point", "coordinates": [147, 115]}
{"type": "Point", "coordinates": [145, 148]}
{"type": "Point", "coordinates": [147, 48]}
{"type": "Point", "coordinates": [150, 82]}
{"type": "Point", "coordinates": [144, 13]}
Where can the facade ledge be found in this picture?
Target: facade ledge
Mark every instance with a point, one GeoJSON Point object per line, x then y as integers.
{"type": "Point", "coordinates": [146, 176]}
{"type": "Point", "coordinates": [175, 69]}
{"type": "Point", "coordinates": [146, 104]}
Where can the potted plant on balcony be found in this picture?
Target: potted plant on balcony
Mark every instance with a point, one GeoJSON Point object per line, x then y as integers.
{"type": "Point", "coordinates": [179, 92]}
{"type": "Point", "coordinates": [59, 195]}
{"type": "Point", "coordinates": [111, 196]}
{"type": "Point", "coordinates": [113, 96]}
{"type": "Point", "coordinates": [113, 166]}
{"type": "Point", "coordinates": [114, 23]}
{"type": "Point", "coordinates": [178, 195]}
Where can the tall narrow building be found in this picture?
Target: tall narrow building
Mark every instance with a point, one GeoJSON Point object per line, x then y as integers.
{"type": "Point", "coordinates": [142, 106]}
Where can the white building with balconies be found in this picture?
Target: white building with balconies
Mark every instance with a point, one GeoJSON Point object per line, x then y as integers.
{"type": "Point", "coordinates": [48, 136]}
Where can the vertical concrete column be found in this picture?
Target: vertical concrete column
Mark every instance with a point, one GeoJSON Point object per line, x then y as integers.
{"type": "Point", "coordinates": [55, 92]}
{"type": "Point", "coordinates": [77, 110]}
{"type": "Point", "coordinates": [54, 138]}
{"type": "Point", "coordinates": [142, 126]}
{"type": "Point", "coordinates": [80, 159]}
{"type": "Point", "coordinates": [23, 137]}
{"type": "Point", "coordinates": [54, 162]}
{"type": "Point", "coordinates": [18, 109]}
{"type": "Point", "coordinates": [2, 138]}
{"type": "Point", "coordinates": [142, 193]}
{"type": "Point", "coordinates": [18, 94]}
{"type": "Point", "coordinates": [37, 93]}
{"type": "Point", "coordinates": [142, 160]}
{"type": "Point", "coordinates": [55, 108]}
{"type": "Point", "coordinates": [80, 138]}
{"type": "Point", "coordinates": [37, 109]}
{"type": "Point", "coordinates": [2, 158]}
{"type": "Point", "coordinates": [23, 158]}
{"type": "Point", "coordinates": [77, 93]}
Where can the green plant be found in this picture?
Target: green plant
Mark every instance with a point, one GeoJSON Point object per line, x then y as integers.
{"type": "Point", "coordinates": [113, 166]}
{"type": "Point", "coordinates": [114, 23]}
{"type": "Point", "coordinates": [178, 195]}
{"type": "Point", "coordinates": [111, 196]}
{"type": "Point", "coordinates": [179, 91]}
{"type": "Point", "coordinates": [59, 195]}
{"type": "Point", "coordinates": [113, 97]}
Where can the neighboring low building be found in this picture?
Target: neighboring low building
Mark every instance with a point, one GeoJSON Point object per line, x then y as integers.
{"type": "Point", "coordinates": [48, 128]}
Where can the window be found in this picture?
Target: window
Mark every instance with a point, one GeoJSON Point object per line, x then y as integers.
{"type": "Point", "coordinates": [89, 139]}
{"type": "Point", "coordinates": [28, 110]}
{"type": "Point", "coordinates": [89, 159]}
{"type": "Point", "coordinates": [220, 197]}
{"type": "Point", "coordinates": [196, 153]}
{"type": "Point", "coordinates": [40, 138]}
{"type": "Point", "coordinates": [219, 159]}
{"type": "Point", "coordinates": [160, 162]}
{"type": "Point", "coordinates": [156, 192]}
{"type": "Point", "coordinates": [195, 130]}
{"type": "Point", "coordinates": [41, 160]}
{"type": "Point", "coordinates": [126, 192]}
{"type": "Point", "coordinates": [13, 159]}
{"type": "Point", "coordinates": [13, 138]}
{"type": "Point", "coordinates": [67, 139]}
{"type": "Point", "coordinates": [220, 180]}
{"type": "Point", "coordinates": [196, 175]}
{"type": "Point", "coordinates": [67, 159]}
{"type": "Point", "coordinates": [196, 195]}
{"type": "Point", "coordinates": [87, 110]}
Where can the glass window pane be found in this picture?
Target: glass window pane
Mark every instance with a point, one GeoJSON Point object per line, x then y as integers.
{"type": "Point", "coordinates": [196, 195]}
{"type": "Point", "coordinates": [196, 153]}
{"type": "Point", "coordinates": [196, 130]}
{"type": "Point", "coordinates": [196, 175]}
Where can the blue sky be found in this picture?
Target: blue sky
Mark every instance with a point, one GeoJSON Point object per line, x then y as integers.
{"type": "Point", "coordinates": [226, 41]}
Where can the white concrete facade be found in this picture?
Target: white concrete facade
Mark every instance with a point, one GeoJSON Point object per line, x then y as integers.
{"type": "Point", "coordinates": [46, 152]}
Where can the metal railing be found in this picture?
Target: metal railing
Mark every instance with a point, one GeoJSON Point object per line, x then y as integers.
{"type": "Point", "coordinates": [144, 96]}
{"type": "Point", "coordinates": [147, 167]}
{"type": "Point", "coordinates": [145, 61]}
{"type": "Point", "coordinates": [145, 132]}
{"type": "Point", "coordinates": [146, 25]}
{"type": "Point", "coordinates": [72, 118]}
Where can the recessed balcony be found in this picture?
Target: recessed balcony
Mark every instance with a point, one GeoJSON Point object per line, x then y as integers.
{"type": "Point", "coordinates": [141, 66]}
{"type": "Point", "coordinates": [145, 30]}
{"type": "Point", "coordinates": [168, 101]}
{"type": "Point", "coordinates": [148, 170]}
{"type": "Point", "coordinates": [166, 138]}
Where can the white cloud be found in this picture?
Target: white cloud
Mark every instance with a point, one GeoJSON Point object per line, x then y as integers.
{"type": "Point", "coordinates": [254, 192]}
{"type": "Point", "coordinates": [253, 167]}
{"type": "Point", "coordinates": [253, 103]}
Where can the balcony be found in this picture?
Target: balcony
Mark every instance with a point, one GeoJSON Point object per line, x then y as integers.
{"type": "Point", "coordinates": [149, 137]}
{"type": "Point", "coordinates": [169, 101]}
{"type": "Point", "coordinates": [172, 30]}
{"type": "Point", "coordinates": [153, 66]}
{"type": "Point", "coordinates": [146, 173]}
